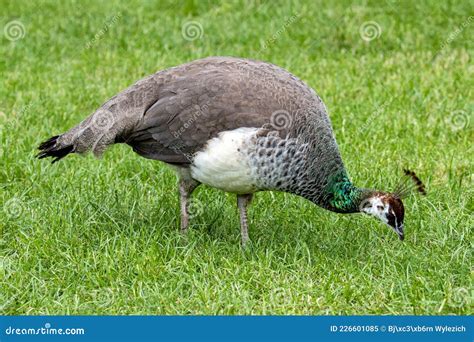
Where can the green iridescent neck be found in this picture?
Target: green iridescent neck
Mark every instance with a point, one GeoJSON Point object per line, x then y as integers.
{"type": "Point", "coordinates": [343, 196]}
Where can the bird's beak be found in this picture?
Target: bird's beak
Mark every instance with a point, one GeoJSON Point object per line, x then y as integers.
{"type": "Point", "coordinates": [399, 231]}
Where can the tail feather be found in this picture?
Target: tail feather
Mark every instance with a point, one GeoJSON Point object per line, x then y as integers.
{"type": "Point", "coordinates": [108, 125]}
{"type": "Point", "coordinates": [95, 133]}
{"type": "Point", "coordinates": [51, 148]}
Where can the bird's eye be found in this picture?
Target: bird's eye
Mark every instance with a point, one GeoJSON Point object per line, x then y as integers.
{"type": "Point", "coordinates": [379, 207]}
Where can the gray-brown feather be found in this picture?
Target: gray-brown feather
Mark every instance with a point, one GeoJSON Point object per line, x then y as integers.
{"type": "Point", "coordinates": [208, 96]}
{"type": "Point", "coordinates": [172, 114]}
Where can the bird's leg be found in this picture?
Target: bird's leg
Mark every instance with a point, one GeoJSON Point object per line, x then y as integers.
{"type": "Point", "coordinates": [242, 203]}
{"type": "Point", "coordinates": [186, 187]}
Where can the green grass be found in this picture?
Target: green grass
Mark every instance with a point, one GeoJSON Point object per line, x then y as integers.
{"type": "Point", "coordinates": [88, 236]}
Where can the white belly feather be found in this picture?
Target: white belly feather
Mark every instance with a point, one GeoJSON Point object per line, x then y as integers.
{"type": "Point", "coordinates": [223, 165]}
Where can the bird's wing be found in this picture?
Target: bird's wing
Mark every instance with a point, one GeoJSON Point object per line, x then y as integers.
{"type": "Point", "coordinates": [199, 100]}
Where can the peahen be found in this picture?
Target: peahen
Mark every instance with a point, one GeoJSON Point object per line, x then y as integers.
{"type": "Point", "coordinates": [238, 125]}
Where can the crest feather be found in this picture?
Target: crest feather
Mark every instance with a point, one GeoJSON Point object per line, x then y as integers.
{"type": "Point", "coordinates": [408, 184]}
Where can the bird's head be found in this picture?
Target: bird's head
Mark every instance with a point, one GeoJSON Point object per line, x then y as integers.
{"type": "Point", "coordinates": [388, 208]}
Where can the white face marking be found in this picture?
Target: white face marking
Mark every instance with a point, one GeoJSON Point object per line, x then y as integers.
{"type": "Point", "coordinates": [378, 209]}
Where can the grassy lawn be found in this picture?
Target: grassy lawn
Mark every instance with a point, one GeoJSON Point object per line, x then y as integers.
{"type": "Point", "coordinates": [100, 236]}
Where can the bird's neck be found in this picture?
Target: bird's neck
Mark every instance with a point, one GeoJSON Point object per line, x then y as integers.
{"type": "Point", "coordinates": [311, 168]}
{"type": "Point", "coordinates": [334, 192]}
{"type": "Point", "coordinates": [326, 170]}
{"type": "Point", "coordinates": [342, 196]}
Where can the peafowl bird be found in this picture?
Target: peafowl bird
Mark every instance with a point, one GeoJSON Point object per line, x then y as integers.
{"type": "Point", "coordinates": [238, 125]}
